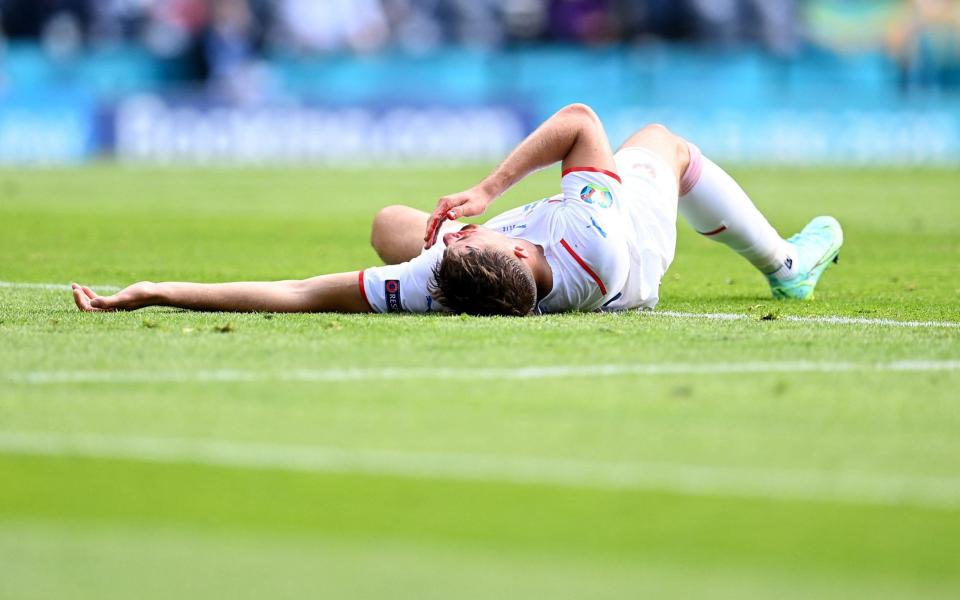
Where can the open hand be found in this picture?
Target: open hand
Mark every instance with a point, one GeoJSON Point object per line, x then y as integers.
{"type": "Point", "coordinates": [136, 296]}
{"type": "Point", "coordinates": [470, 203]}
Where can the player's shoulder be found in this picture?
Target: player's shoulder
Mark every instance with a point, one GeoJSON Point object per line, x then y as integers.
{"type": "Point", "coordinates": [405, 287]}
{"type": "Point", "coordinates": [590, 206]}
{"type": "Point", "coordinates": [591, 188]}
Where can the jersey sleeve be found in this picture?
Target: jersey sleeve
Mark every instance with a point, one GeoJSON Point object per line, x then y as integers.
{"type": "Point", "coordinates": [404, 287]}
{"type": "Point", "coordinates": [594, 188]}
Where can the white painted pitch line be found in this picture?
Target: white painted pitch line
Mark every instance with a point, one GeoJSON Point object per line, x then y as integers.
{"type": "Point", "coordinates": [857, 487]}
{"type": "Point", "coordinates": [826, 319]}
{"type": "Point", "coordinates": [63, 287]}
{"type": "Point", "coordinates": [831, 320]}
{"type": "Point", "coordinates": [334, 375]}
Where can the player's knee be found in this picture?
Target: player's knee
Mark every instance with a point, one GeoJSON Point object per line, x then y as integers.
{"type": "Point", "coordinates": [669, 137]}
{"type": "Point", "coordinates": [658, 130]}
{"type": "Point", "coordinates": [654, 134]}
{"type": "Point", "coordinates": [660, 139]}
{"type": "Point", "coordinates": [382, 222]}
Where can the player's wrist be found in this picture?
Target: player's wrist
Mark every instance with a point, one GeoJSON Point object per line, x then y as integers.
{"type": "Point", "coordinates": [153, 293]}
{"type": "Point", "coordinates": [487, 192]}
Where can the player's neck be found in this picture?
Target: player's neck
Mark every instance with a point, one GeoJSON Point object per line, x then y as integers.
{"type": "Point", "coordinates": [542, 273]}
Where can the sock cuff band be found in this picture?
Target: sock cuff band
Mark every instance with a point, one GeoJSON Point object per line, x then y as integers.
{"type": "Point", "coordinates": [692, 175]}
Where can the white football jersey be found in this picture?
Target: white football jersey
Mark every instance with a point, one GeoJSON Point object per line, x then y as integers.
{"type": "Point", "coordinates": [580, 230]}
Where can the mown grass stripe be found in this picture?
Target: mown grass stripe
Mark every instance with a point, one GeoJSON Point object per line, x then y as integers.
{"type": "Point", "coordinates": [63, 287]}
{"type": "Point", "coordinates": [465, 374]}
{"type": "Point", "coordinates": [858, 487]}
{"type": "Point", "coordinates": [828, 320]}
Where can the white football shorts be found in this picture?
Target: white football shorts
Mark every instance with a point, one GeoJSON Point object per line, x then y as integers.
{"type": "Point", "coordinates": [649, 196]}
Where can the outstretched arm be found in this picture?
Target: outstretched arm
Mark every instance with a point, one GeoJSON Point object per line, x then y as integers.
{"type": "Point", "coordinates": [573, 136]}
{"type": "Point", "coordinates": [326, 293]}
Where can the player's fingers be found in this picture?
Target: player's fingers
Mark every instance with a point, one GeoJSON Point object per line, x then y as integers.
{"type": "Point", "coordinates": [466, 208]}
{"type": "Point", "coordinates": [433, 225]}
{"type": "Point", "coordinates": [105, 303]}
{"type": "Point", "coordinates": [90, 293]}
{"type": "Point", "coordinates": [76, 296]}
{"type": "Point", "coordinates": [435, 232]}
{"type": "Point", "coordinates": [81, 300]}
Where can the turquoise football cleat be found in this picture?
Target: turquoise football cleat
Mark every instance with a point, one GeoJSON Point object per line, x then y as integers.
{"type": "Point", "coordinates": [817, 245]}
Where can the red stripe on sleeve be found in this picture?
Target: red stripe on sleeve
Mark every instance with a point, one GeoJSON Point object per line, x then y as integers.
{"type": "Point", "coordinates": [580, 261]}
{"type": "Point", "coordinates": [591, 170]}
{"type": "Point", "coordinates": [721, 229]}
{"type": "Point", "coordinates": [363, 291]}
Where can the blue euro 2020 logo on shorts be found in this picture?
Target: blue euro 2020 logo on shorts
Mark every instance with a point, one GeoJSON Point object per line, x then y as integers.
{"type": "Point", "coordinates": [595, 194]}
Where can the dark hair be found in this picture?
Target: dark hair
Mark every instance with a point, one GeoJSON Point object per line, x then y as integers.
{"type": "Point", "coordinates": [484, 283]}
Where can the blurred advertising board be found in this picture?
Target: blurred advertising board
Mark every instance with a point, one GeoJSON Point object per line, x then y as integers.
{"type": "Point", "coordinates": [40, 129]}
{"type": "Point", "coordinates": [784, 136]}
{"type": "Point", "coordinates": [152, 129]}
{"type": "Point", "coordinates": [157, 129]}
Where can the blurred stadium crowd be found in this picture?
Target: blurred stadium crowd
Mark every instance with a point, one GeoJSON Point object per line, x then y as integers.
{"type": "Point", "coordinates": [167, 26]}
{"type": "Point", "coordinates": [215, 35]}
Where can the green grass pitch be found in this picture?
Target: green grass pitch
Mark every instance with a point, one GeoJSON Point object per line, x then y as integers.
{"type": "Point", "coordinates": [165, 454]}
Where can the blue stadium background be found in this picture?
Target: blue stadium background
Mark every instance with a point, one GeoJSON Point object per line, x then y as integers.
{"type": "Point", "coordinates": [453, 81]}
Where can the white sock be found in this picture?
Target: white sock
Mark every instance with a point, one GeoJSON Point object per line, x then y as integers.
{"type": "Point", "coordinates": [717, 207]}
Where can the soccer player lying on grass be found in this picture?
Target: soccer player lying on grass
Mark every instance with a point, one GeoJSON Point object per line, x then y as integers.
{"type": "Point", "coordinates": [604, 243]}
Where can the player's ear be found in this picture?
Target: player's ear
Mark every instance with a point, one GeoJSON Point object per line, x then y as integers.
{"type": "Point", "coordinates": [520, 252]}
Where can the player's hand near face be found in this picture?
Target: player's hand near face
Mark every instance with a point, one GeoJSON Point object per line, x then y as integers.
{"type": "Point", "coordinates": [573, 136]}
{"type": "Point", "coordinates": [469, 203]}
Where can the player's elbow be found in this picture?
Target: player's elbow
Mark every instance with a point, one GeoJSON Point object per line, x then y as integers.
{"type": "Point", "coordinates": [582, 120]}
{"type": "Point", "coordinates": [580, 112]}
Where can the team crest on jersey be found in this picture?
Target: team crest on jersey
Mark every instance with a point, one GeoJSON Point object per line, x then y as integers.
{"type": "Point", "coordinates": [596, 194]}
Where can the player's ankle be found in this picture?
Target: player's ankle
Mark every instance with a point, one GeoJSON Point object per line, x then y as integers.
{"type": "Point", "coordinates": [786, 267]}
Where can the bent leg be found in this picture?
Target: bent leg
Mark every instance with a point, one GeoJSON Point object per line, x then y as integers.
{"type": "Point", "coordinates": [397, 233]}
{"type": "Point", "coordinates": [718, 208]}
{"type": "Point", "coordinates": [664, 143]}
{"type": "Point", "coordinates": [715, 205]}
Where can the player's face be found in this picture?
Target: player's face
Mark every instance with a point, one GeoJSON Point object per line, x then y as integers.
{"type": "Point", "coordinates": [476, 236]}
